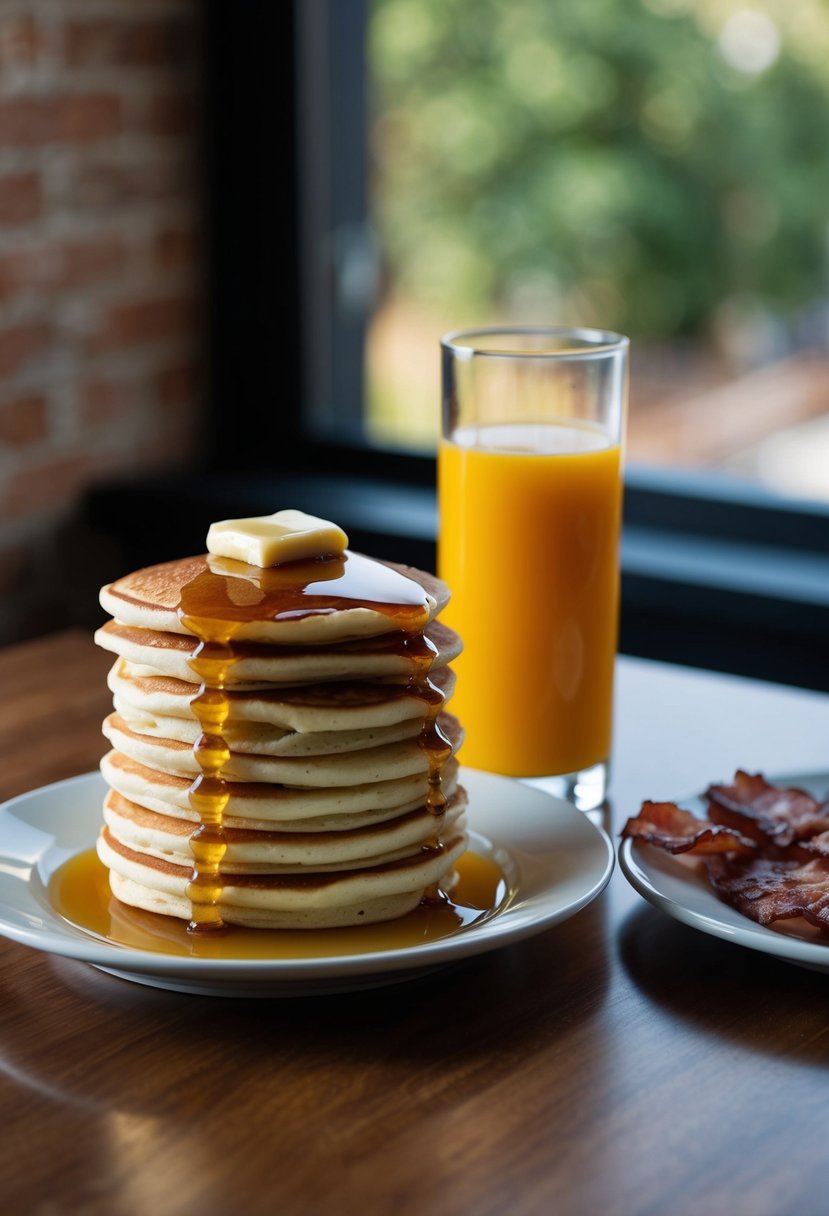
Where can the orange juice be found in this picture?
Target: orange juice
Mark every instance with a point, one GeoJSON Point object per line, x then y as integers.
{"type": "Point", "coordinates": [528, 543]}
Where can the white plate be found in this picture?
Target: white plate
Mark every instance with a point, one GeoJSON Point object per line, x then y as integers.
{"type": "Point", "coordinates": [555, 859]}
{"type": "Point", "coordinates": [686, 895]}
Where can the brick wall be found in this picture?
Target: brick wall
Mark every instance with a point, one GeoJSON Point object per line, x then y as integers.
{"type": "Point", "coordinates": [99, 273]}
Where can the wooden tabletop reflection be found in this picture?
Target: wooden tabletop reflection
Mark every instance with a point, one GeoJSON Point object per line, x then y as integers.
{"type": "Point", "coordinates": [618, 1063]}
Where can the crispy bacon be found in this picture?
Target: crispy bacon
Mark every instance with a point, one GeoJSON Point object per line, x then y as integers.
{"type": "Point", "coordinates": [765, 849]}
{"type": "Point", "coordinates": [775, 818]}
{"type": "Point", "coordinates": [678, 831]}
{"type": "Point", "coordinates": [767, 890]}
{"type": "Point", "coordinates": [817, 845]}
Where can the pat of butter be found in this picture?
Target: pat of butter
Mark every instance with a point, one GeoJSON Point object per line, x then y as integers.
{"type": "Point", "coordinates": [270, 540]}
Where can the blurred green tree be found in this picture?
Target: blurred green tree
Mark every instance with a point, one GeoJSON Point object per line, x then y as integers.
{"type": "Point", "coordinates": [635, 163]}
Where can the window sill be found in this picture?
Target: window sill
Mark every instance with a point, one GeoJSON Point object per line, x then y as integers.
{"type": "Point", "coordinates": [709, 600]}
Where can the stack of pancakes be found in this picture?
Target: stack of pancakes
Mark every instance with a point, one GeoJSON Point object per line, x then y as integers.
{"type": "Point", "coordinates": [328, 771]}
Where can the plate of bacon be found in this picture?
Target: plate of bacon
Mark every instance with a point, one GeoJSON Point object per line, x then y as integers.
{"type": "Point", "coordinates": [747, 862]}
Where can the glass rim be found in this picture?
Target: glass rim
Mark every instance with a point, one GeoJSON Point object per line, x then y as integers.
{"type": "Point", "coordinates": [466, 342]}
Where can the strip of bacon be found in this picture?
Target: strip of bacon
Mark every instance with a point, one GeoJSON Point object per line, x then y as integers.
{"type": "Point", "coordinates": [765, 849]}
{"type": "Point", "coordinates": [777, 819]}
{"type": "Point", "coordinates": [767, 889]}
{"type": "Point", "coordinates": [817, 845]}
{"type": "Point", "coordinates": [679, 831]}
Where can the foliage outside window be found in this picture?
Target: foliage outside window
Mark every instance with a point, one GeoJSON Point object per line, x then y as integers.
{"type": "Point", "coordinates": [654, 166]}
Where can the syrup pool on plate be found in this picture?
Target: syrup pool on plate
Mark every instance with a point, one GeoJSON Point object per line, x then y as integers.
{"type": "Point", "coordinates": [79, 892]}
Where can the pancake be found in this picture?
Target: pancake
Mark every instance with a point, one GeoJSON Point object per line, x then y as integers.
{"type": "Point", "coordinates": [258, 805]}
{"type": "Point", "coordinates": [311, 708]}
{"type": "Point", "coordinates": [263, 739]}
{"type": "Point", "coordinates": [150, 598]}
{"type": "Point", "coordinates": [389, 656]}
{"type": "Point", "coordinates": [360, 896]}
{"type": "Point", "coordinates": [301, 708]}
{"type": "Point", "coordinates": [249, 851]}
{"type": "Point", "coordinates": [338, 769]}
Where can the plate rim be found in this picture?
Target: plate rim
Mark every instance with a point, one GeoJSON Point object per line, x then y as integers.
{"type": "Point", "coordinates": [711, 919]}
{"type": "Point", "coordinates": [501, 928]}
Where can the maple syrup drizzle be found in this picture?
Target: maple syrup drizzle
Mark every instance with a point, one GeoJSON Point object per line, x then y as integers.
{"type": "Point", "coordinates": [209, 794]}
{"type": "Point", "coordinates": [213, 607]}
{"type": "Point", "coordinates": [422, 652]}
{"type": "Point", "coordinates": [433, 742]}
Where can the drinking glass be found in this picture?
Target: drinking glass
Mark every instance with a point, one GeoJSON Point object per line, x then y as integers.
{"type": "Point", "coordinates": [530, 496]}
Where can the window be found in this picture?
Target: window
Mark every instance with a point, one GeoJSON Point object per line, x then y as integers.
{"type": "Point", "coordinates": [656, 168]}
{"type": "Point", "coordinates": [718, 570]}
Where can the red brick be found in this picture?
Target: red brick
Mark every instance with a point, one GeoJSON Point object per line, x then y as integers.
{"type": "Point", "coordinates": [103, 401]}
{"type": "Point", "coordinates": [20, 198]}
{"type": "Point", "coordinates": [23, 270]}
{"type": "Point", "coordinates": [29, 120]}
{"type": "Point", "coordinates": [102, 184]}
{"type": "Point", "coordinates": [20, 343]}
{"type": "Point", "coordinates": [56, 483]}
{"type": "Point", "coordinates": [23, 421]}
{"type": "Point", "coordinates": [74, 264]}
{"type": "Point", "coordinates": [82, 262]}
{"type": "Point", "coordinates": [177, 246]}
{"type": "Point", "coordinates": [126, 43]}
{"type": "Point", "coordinates": [137, 321]}
{"type": "Point", "coordinates": [89, 116]}
{"type": "Point", "coordinates": [20, 41]}
{"type": "Point", "coordinates": [32, 121]}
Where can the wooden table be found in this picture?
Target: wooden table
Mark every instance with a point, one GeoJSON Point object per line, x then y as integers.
{"type": "Point", "coordinates": [619, 1063]}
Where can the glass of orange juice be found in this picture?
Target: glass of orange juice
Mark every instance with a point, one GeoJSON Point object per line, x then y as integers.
{"type": "Point", "coordinates": [530, 498]}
